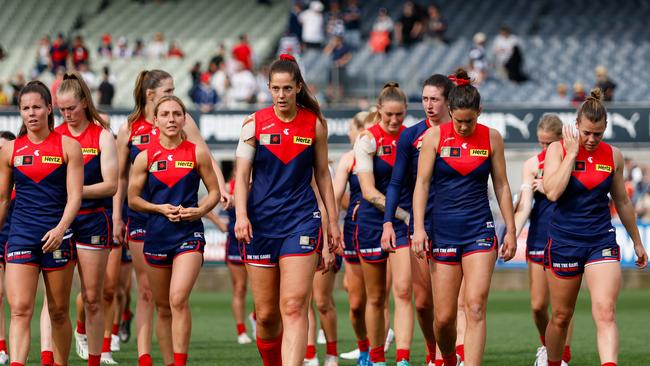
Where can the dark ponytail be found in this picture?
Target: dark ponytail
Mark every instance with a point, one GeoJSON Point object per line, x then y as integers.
{"type": "Point", "coordinates": [593, 108]}
{"type": "Point", "coordinates": [74, 83]}
{"type": "Point", "coordinates": [37, 87]}
{"type": "Point", "coordinates": [147, 79]}
{"type": "Point", "coordinates": [463, 95]}
{"type": "Point", "coordinates": [287, 64]}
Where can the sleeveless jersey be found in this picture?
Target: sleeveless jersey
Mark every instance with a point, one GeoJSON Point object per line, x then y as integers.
{"type": "Point", "coordinates": [231, 211]}
{"type": "Point", "coordinates": [172, 178]}
{"type": "Point", "coordinates": [540, 215]}
{"type": "Point", "coordinates": [143, 135]}
{"type": "Point", "coordinates": [39, 172]}
{"type": "Point", "coordinates": [89, 141]}
{"type": "Point", "coordinates": [355, 195]}
{"type": "Point", "coordinates": [405, 174]}
{"type": "Point", "coordinates": [383, 162]}
{"type": "Point", "coordinates": [281, 200]}
{"type": "Point", "coordinates": [461, 210]}
{"type": "Point", "coordinates": [582, 216]}
{"type": "Point", "coordinates": [4, 233]}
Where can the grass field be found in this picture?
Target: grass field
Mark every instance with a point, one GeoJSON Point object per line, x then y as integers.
{"type": "Point", "coordinates": [512, 339]}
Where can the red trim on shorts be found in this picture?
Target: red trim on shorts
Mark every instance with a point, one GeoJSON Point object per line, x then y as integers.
{"type": "Point", "coordinates": [493, 247]}
{"type": "Point", "coordinates": [72, 260]}
{"type": "Point", "coordinates": [316, 250]}
{"type": "Point", "coordinates": [197, 250]}
{"type": "Point", "coordinates": [603, 260]}
{"type": "Point", "coordinates": [361, 257]}
{"type": "Point", "coordinates": [91, 210]}
{"type": "Point", "coordinates": [447, 263]}
{"type": "Point", "coordinates": [233, 261]}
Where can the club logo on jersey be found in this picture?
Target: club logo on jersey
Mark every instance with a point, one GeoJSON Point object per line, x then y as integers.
{"type": "Point", "coordinates": [385, 150]}
{"type": "Point", "coordinates": [24, 160]}
{"type": "Point", "coordinates": [57, 254]}
{"type": "Point", "coordinates": [315, 215]}
{"type": "Point", "coordinates": [307, 241]}
{"type": "Point", "coordinates": [610, 252]}
{"type": "Point", "coordinates": [540, 173]}
{"type": "Point", "coordinates": [489, 224]}
{"type": "Point", "coordinates": [89, 151]}
{"type": "Point", "coordinates": [450, 152]}
{"type": "Point", "coordinates": [158, 166]}
{"type": "Point", "coordinates": [478, 152]}
{"type": "Point", "coordinates": [270, 139]}
{"type": "Point", "coordinates": [579, 166]}
{"type": "Point", "coordinates": [302, 140]}
{"type": "Point", "coordinates": [185, 164]}
{"type": "Point", "coordinates": [140, 140]}
{"type": "Point", "coordinates": [51, 160]}
{"type": "Point", "coordinates": [603, 168]}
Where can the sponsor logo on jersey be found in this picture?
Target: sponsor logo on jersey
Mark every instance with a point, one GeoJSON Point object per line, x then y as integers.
{"type": "Point", "coordinates": [57, 254]}
{"type": "Point", "coordinates": [140, 140]}
{"type": "Point", "coordinates": [450, 152]}
{"type": "Point", "coordinates": [158, 166]}
{"type": "Point", "coordinates": [23, 160]}
{"type": "Point", "coordinates": [540, 173]}
{"type": "Point", "coordinates": [51, 160]}
{"type": "Point", "coordinates": [385, 150]}
{"type": "Point", "coordinates": [580, 166]}
{"type": "Point", "coordinates": [270, 138]}
{"type": "Point", "coordinates": [316, 215]}
{"type": "Point", "coordinates": [198, 234]}
{"type": "Point", "coordinates": [95, 239]}
{"type": "Point", "coordinates": [489, 224]}
{"type": "Point", "coordinates": [604, 168]}
{"type": "Point", "coordinates": [610, 252]}
{"type": "Point", "coordinates": [478, 152]}
{"type": "Point", "coordinates": [484, 242]}
{"type": "Point", "coordinates": [302, 140]}
{"type": "Point", "coordinates": [89, 151]}
{"type": "Point", "coordinates": [184, 164]}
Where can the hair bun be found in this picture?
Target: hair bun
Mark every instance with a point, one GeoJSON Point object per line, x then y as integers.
{"type": "Point", "coordinates": [391, 84]}
{"type": "Point", "coordinates": [596, 93]}
{"type": "Point", "coordinates": [287, 57]}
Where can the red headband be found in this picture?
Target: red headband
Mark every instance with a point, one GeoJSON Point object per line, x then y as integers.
{"type": "Point", "coordinates": [287, 57]}
{"type": "Point", "coordinates": [459, 81]}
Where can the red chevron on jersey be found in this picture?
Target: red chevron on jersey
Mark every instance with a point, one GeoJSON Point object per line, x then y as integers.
{"type": "Point", "coordinates": [540, 164]}
{"type": "Point", "coordinates": [464, 153]}
{"type": "Point", "coordinates": [88, 139]}
{"type": "Point", "coordinates": [285, 140]}
{"type": "Point", "coordinates": [170, 166]}
{"type": "Point", "coordinates": [386, 143]}
{"type": "Point", "coordinates": [37, 161]}
{"type": "Point", "coordinates": [591, 168]}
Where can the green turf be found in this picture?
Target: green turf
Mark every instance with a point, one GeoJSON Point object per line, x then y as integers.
{"type": "Point", "coordinates": [512, 339]}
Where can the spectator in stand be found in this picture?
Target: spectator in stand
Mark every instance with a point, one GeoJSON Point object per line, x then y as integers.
{"type": "Point", "coordinates": [263, 94]}
{"type": "Point", "coordinates": [3, 53]}
{"type": "Point", "coordinates": [312, 23]}
{"type": "Point", "coordinates": [477, 75]}
{"type": "Point", "coordinates": [79, 52]}
{"type": "Point", "coordinates": [59, 52]}
{"type": "Point", "coordinates": [605, 83]}
{"type": "Point", "coordinates": [295, 28]}
{"type": "Point", "coordinates": [138, 49]}
{"type": "Point", "coordinates": [17, 84]}
{"type": "Point", "coordinates": [244, 86]}
{"type": "Point", "coordinates": [175, 51]}
{"type": "Point", "coordinates": [106, 90]}
{"type": "Point", "coordinates": [58, 78]}
{"type": "Point", "coordinates": [477, 56]}
{"type": "Point", "coordinates": [89, 76]}
{"type": "Point", "coordinates": [105, 49]}
{"type": "Point", "coordinates": [436, 24]}
{"type": "Point", "coordinates": [42, 56]}
{"type": "Point", "coordinates": [219, 56]}
{"type": "Point", "coordinates": [579, 94]}
{"type": "Point", "coordinates": [205, 97]}
{"type": "Point", "coordinates": [221, 82]}
{"type": "Point", "coordinates": [643, 207]}
{"type": "Point", "coordinates": [242, 52]}
{"type": "Point", "coordinates": [382, 30]}
{"type": "Point", "coordinates": [4, 99]}
{"type": "Point", "coordinates": [195, 76]}
{"type": "Point", "coordinates": [335, 25]}
{"type": "Point", "coordinates": [409, 28]}
{"type": "Point", "coordinates": [561, 97]}
{"type": "Point", "coordinates": [157, 48]}
{"type": "Point", "coordinates": [122, 50]}
{"type": "Point", "coordinates": [289, 43]}
{"type": "Point", "coordinates": [503, 48]}
{"type": "Point", "coordinates": [515, 66]}
{"type": "Point", "coordinates": [341, 56]}
{"type": "Point", "coordinates": [352, 18]}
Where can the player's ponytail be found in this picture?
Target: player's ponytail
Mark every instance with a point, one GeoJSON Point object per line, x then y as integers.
{"type": "Point", "coordinates": [147, 80]}
{"type": "Point", "coordinates": [37, 87]}
{"type": "Point", "coordinates": [593, 108]}
{"type": "Point", "coordinates": [287, 64]}
{"type": "Point", "coordinates": [74, 83]}
{"type": "Point", "coordinates": [463, 95]}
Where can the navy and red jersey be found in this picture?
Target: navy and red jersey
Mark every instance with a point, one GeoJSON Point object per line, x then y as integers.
{"type": "Point", "coordinates": [405, 173]}
{"type": "Point", "coordinates": [89, 141]}
{"type": "Point", "coordinates": [143, 135]}
{"type": "Point", "coordinates": [231, 211]}
{"type": "Point", "coordinates": [540, 215]}
{"type": "Point", "coordinates": [39, 172]}
{"type": "Point", "coordinates": [582, 216]}
{"type": "Point", "coordinates": [355, 194]}
{"type": "Point", "coordinates": [383, 161]}
{"type": "Point", "coordinates": [281, 200]}
{"type": "Point", "coordinates": [461, 210]}
{"type": "Point", "coordinates": [172, 179]}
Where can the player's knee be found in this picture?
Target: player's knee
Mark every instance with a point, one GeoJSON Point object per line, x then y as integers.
{"type": "Point", "coordinates": [21, 308]}
{"type": "Point", "coordinates": [445, 321]}
{"type": "Point", "coordinates": [423, 304]}
{"type": "Point", "coordinates": [357, 306]}
{"type": "Point", "coordinates": [475, 311]}
{"type": "Point", "coordinates": [178, 302]}
{"type": "Point", "coordinates": [539, 308]}
{"type": "Point", "coordinates": [145, 295]}
{"type": "Point", "coordinates": [164, 311]}
{"type": "Point", "coordinates": [108, 295]}
{"type": "Point", "coordinates": [324, 306]}
{"type": "Point", "coordinates": [376, 300]}
{"type": "Point", "coordinates": [403, 292]}
{"type": "Point", "coordinates": [294, 307]}
{"type": "Point", "coordinates": [562, 317]}
{"type": "Point", "coordinates": [604, 312]}
{"type": "Point", "coordinates": [58, 313]}
{"type": "Point", "coordinates": [266, 319]}
{"type": "Point", "coordinates": [239, 290]}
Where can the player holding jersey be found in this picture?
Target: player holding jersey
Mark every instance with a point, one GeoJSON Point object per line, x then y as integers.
{"type": "Point", "coordinates": [47, 169]}
{"type": "Point", "coordinates": [171, 170]}
{"type": "Point", "coordinates": [461, 156]}
{"type": "Point", "coordinates": [580, 172]}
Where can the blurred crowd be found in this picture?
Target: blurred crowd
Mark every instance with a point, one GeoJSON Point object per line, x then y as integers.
{"type": "Point", "coordinates": [637, 185]}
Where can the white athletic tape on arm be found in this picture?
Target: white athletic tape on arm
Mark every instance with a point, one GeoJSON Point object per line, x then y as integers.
{"type": "Point", "coordinates": [526, 187]}
{"type": "Point", "coordinates": [244, 150]}
{"type": "Point", "coordinates": [364, 149]}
